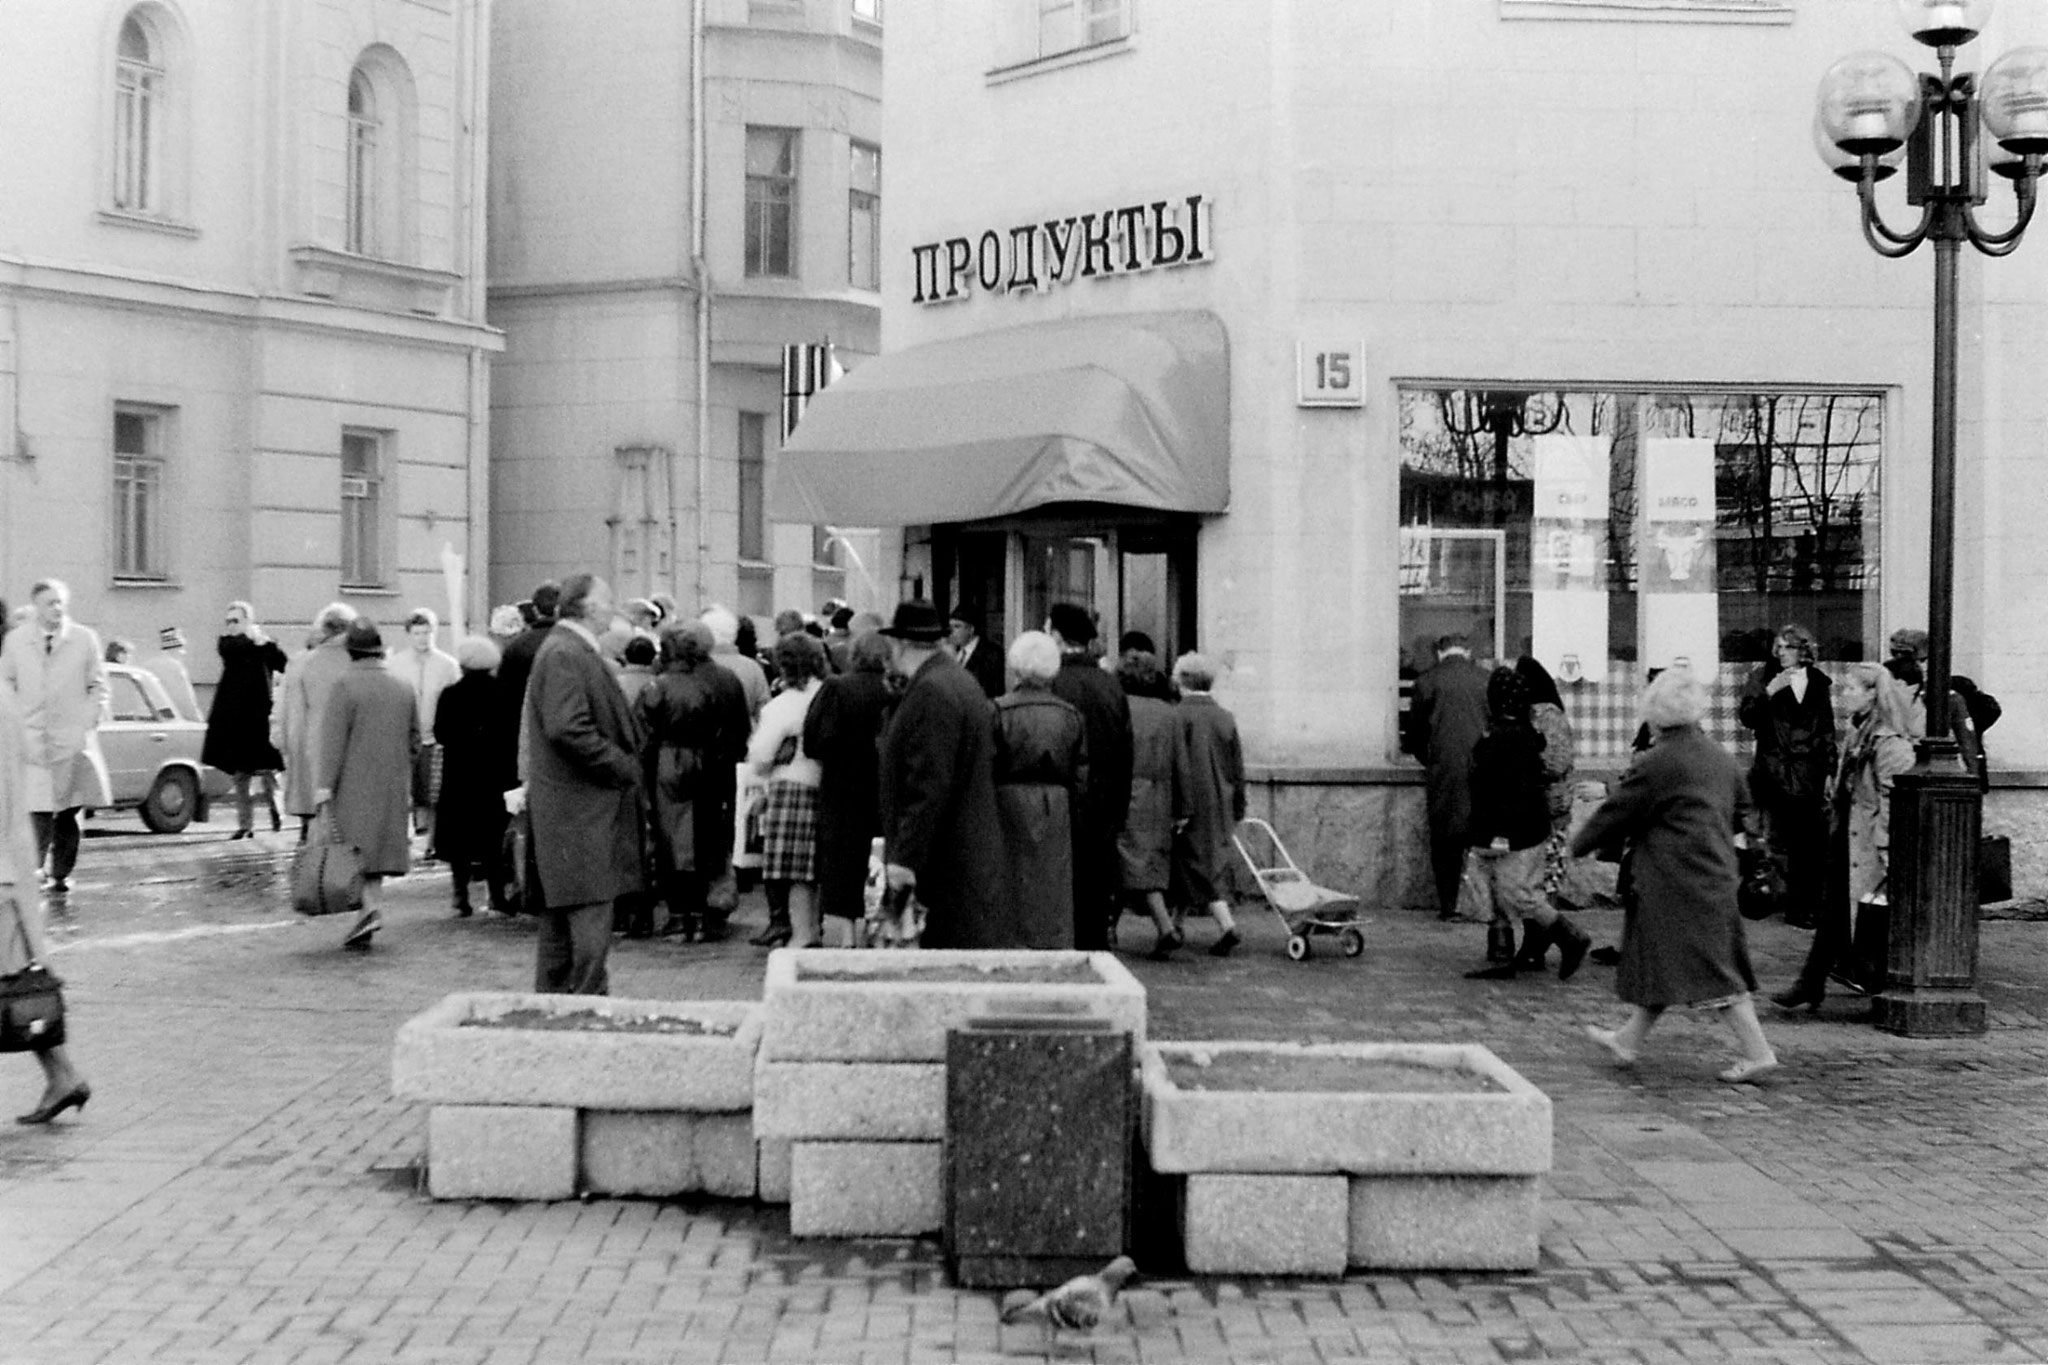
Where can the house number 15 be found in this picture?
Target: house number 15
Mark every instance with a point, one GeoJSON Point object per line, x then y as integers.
{"type": "Point", "coordinates": [1330, 375]}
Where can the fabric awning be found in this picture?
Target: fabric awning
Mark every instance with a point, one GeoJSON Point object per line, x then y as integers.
{"type": "Point", "coordinates": [1132, 409]}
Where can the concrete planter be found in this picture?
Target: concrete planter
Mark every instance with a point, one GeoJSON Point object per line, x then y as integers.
{"type": "Point", "coordinates": [438, 1059]}
{"type": "Point", "coordinates": [842, 1005]}
{"type": "Point", "coordinates": [1430, 1177]}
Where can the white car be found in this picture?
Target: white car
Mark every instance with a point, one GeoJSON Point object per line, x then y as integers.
{"type": "Point", "coordinates": [151, 753]}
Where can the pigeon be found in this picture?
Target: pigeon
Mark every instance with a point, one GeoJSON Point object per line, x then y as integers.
{"type": "Point", "coordinates": [1079, 1305]}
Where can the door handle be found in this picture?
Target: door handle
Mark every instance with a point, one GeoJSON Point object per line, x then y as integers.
{"type": "Point", "coordinates": [159, 739]}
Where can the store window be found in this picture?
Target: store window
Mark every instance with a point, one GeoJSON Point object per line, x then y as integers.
{"type": "Point", "coordinates": [1612, 532]}
{"type": "Point", "coordinates": [140, 438]}
{"type": "Point", "coordinates": [363, 455]}
{"type": "Point", "coordinates": [864, 218]}
{"type": "Point", "coordinates": [771, 201]}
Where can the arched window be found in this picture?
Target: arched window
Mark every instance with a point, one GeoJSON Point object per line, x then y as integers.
{"type": "Point", "coordinates": [140, 96]}
{"type": "Point", "coordinates": [364, 168]}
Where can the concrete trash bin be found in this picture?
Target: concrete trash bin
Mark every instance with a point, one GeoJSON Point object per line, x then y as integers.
{"type": "Point", "coordinates": [1040, 1116]}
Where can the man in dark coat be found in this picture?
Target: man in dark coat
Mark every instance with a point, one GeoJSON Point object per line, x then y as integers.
{"type": "Point", "coordinates": [1446, 717]}
{"type": "Point", "coordinates": [582, 765]}
{"type": "Point", "coordinates": [941, 834]}
{"type": "Point", "coordinates": [1098, 870]}
{"type": "Point", "coordinates": [516, 665]}
{"type": "Point", "coordinates": [984, 661]}
{"type": "Point", "coordinates": [843, 731]}
{"type": "Point", "coordinates": [694, 715]}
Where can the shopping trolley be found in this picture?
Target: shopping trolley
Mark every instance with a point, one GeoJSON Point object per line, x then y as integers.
{"type": "Point", "coordinates": [1306, 909]}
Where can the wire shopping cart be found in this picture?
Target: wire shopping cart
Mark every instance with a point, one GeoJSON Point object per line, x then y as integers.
{"type": "Point", "coordinates": [1306, 909]}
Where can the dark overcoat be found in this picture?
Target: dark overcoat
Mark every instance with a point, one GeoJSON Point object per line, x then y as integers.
{"type": "Point", "coordinates": [843, 731]}
{"type": "Point", "coordinates": [1680, 805]}
{"type": "Point", "coordinates": [1510, 788]}
{"type": "Point", "coordinates": [367, 741]}
{"type": "Point", "coordinates": [1159, 779]}
{"type": "Point", "coordinates": [1795, 739]}
{"type": "Point", "coordinates": [695, 723]}
{"type": "Point", "coordinates": [939, 806]}
{"type": "Point", "coordinates": [477, 768]}
{"type": "Point", "coordinates": [1447, 715]}
{"type": "Point", "coordinates": [238, 723]}
{"type": "Point", "coordinates": [1041, 775]}
{"type": "Point", "coordinates": [582, 776]}
{"type": "Point", "coordinates": [986, 664]}
{"type": "Point", "coordinates": [1215, 797]}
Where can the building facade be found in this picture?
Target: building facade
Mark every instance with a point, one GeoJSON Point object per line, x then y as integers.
{"type": "Point", "coordinates": [242, 339]}
{"type": "Point", "coordinates": [679, 193]}
{"type": "Point", "coordinates": [1537, 321]}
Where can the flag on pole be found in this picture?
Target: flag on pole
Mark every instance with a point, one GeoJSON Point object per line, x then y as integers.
{"type": "Point", "coordinates": [806, 368]}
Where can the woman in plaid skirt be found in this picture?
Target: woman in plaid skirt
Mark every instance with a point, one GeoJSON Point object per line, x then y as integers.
{"type": "Point", "coordinates": [789, 817]}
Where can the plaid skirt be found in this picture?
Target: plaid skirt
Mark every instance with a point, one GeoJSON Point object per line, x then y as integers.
{"type": "Point", "coordinates": [789, 833]}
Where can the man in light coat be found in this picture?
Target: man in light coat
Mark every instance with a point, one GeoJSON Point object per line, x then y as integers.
{"type": "Point", "coordinates": [52, 663]}
{"type": "Point", "coordinates": [580, 752]}
{"type": "Point", "coordinates": [302, 706]}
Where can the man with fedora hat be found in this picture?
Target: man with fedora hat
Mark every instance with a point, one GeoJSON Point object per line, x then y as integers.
{"type": "Point", "coordinates": [941, 835]}
{"type": "Point", "coordinates": [1082, 684]}
{"type": "Point", "coordinates": [980, 658]}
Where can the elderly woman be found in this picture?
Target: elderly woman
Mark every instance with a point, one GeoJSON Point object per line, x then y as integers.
{"type": "Point", "coordinates": [1202, 850]}
{"type": "Point", "coordinates": [1880, 748]}
{"type": "Point", "coordinates": [21, 919]}
{"type": "Point", "coordinates": [1787, 704]}
{"type": "Point", "coordinates": [844, 732]}
{"type": "Point", "coordinates": [789, 813]}
{"type": "Point", "coordinates": [477, 769]}
{"type": "Point", "coordinates": [369, 739]}
{"type": "Point", "coordinates": [1041, 775]}
{"type": "Point", "coordinates": [1159, 792]}
{"type": "Point", "coordinates": [1681, 939]}
{"type": "Point", "coordinates": [695, 717]}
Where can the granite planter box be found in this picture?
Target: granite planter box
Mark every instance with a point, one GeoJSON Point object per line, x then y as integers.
{"type": "Point", "coordinates": [694, 1056]}
{"type": "Point", "coordinates": [1440, 1147]}
{"type": "Point", "coordinates": [846, 1005]}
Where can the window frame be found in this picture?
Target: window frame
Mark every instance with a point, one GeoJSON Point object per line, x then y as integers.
{"type": "Point", "coordinates": [1654, 11]}
{"type": "Point", "coordinates": [766, 193]}
{"type": "Point", "coordinates": [1029, 37]}
{"type": "Point", "coordinates": [140, 554]}
{"type": "Point", "coordinates": [141, 94]}
{"type": "Point", "coordinates": [752, 543]}
{"type": "Point", "coordinates": [371, 539]}
{"type": "Point", "coordinates": [863, 201]}
{"type": "Point", "coordinates": [362, 168]}
{"type": "Point", "coordinates": [144, 124]}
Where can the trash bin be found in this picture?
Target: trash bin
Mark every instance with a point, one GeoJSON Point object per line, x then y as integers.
{"type": "Point", "coordinates": [1040, 1115]}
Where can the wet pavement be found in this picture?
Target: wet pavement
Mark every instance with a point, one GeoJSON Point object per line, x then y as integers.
{"type": "Point", "coordinates": [242, 1186]}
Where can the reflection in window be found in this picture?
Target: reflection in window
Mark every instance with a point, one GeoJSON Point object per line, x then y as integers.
{"type": "Point", "coordinates": [771, 201]}
{"type": "Point", "coordinates": [138, 120]}
{"type": "Point", "coordinates": [362, 164]}
{"type": "Point", "coordinates": [139, 494]}
{"type": "Point", "coordinates": [362, 499]}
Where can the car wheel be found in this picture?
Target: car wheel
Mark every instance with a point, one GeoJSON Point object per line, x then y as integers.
{"type": "Point", "coordinates": [171, 802]}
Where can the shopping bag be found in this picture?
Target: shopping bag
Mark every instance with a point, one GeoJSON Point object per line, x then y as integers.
{"type": "Point", "coordinates": [327, 875]}
{"type": "Point", "coordinates": [1475, 889]}
{"type": "Point", "coordinates": [1994, 869]}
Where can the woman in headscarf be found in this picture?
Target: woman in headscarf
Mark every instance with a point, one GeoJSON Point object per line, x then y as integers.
{"type": "Point", "coordinates": [843, 731]}
{"type": "Point", "coordinates": [477, 769]}
{"type": "Point", "coordinates": [695, 717]}
{"type": "Point", "coordinates": [1041, 775]}
{"type": "Point", "coordinates": [1159, 793]}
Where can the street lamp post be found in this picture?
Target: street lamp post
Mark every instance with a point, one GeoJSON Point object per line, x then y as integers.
{"type": "Point", "coordinates": [1874, 112]}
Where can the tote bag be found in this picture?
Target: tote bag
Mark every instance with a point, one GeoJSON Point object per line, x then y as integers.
{"type": "Point", "coordinates": [327, 875]}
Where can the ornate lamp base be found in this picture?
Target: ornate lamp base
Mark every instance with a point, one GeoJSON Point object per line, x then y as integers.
{"type": "Point", "coordinates": [1931, 969]}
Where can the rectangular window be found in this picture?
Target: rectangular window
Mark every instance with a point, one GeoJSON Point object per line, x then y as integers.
{"type": "Point", "coordinates": [870, 10]}
{"type": "Point", "coordinates": [753, 537]}
{"type": "Point", "coordinates": [771, 201]}
{"type": "Point", "coordinates": [1064, 25]}
{"type": "Point", "coordinates": [864, 218]}
{"type": "Point", "coordinates": [362, 504]}
{"type": "Point", "coordinates": [1610, 532]}
{"type": "Point", "coordinates": [139, 436]}
{"type": "Point", "coordinates": [138, 134]}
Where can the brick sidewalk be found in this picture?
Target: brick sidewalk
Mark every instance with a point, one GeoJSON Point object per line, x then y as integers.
{"type": "Point", "coordinates": [241, 1188]}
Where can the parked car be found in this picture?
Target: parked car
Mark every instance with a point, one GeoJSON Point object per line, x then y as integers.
{"type": "Point", "coordinates": [152, 754]}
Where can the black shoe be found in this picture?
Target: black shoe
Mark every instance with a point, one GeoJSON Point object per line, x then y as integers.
{"type": "Point", "coordinates": [1499, 971]}
{"type": "Point", "coordinates": [463, 909]}
{"type": "Point", "coordinates": [1500, 943]}
{"type": "Point", "coordinates": [1573, 943]}
{"type": "Point", "coordinates": [1801, 996]}
{"type": "Point", "coordinates": [74, 1098]}
{"type": "Point", "coordinates": [1607, 956]}
{"type": "Point", "coordinates": [1163, 948]}
{"type": "Point", "coordinates": [1536, 941]}
{"type": "Point", "coordinates": [774, 936]}
{"type": "Point", "coordinates": [1222, 947]}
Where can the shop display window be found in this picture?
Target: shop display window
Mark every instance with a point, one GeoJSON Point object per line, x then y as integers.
{"type": "Point", "coordinates": [1612, 532]}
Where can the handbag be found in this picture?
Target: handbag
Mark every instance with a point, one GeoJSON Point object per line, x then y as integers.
{"type": "Point", "coordinates": [31, 1003]}
{"type": "Point", "coordinates": [327, 875]}
{"type": "Point", "coordinates": [1994, 869]}
{"type": "Point", "coordinates": [1763, 891]}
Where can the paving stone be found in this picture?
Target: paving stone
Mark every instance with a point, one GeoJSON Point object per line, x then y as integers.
{"type": "Point", "coordinates": [489, 1151]}
{"type": "Point", "coordinates": [1264, 1224]}
{"type": "Point", "coordinates": [850, 1101]}
{"type": "Point", "coordinates": [1411, 1222]}
{"type": "Point", "coordinates": [865, 1189]}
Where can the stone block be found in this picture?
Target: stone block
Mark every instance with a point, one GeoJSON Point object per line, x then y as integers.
{"type": "Point", "coordinates": [1458, 1222]}
{"type": "Point", "coordinates": [771, 1170]}
{"type": "Point", "coordinates": [845, 1005]}
{"type": "Point", "coordinates": [700, 1060]}
{"type": "Point", "coordinates": [723, 1145]}
{"type": "Point", "coordinates": [639, 1153]}
{"type": "Point", "coordinates": [1501, 1130]}
{"type": "Point", "coordinates": [865, 1189]}
{"type": "Point", "coordinates": [495, 1151]}
{"type": "Point", "coordinates": [850, 1101]}
{"type": "Point", "coordinates": [1265, 1224]}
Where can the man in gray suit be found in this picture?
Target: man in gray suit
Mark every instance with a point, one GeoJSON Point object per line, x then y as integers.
{"type": "Point", "coordinates": [580, 748]}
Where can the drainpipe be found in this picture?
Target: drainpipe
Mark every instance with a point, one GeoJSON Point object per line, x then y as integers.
{"type": "Point", "coordinates": [699, 217]}
{"type": "Point", "coordinates": [477, 549]}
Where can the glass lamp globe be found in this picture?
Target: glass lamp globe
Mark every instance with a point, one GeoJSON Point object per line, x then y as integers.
{"type": "Point", "coordinates": [1869, 103]}
{"type": "Point", "coordinates": [1944, 23]}
{"type": "Point", "coordinates": [2014, 98]}
{"type": "Point", "coordinates": [1849, 165]}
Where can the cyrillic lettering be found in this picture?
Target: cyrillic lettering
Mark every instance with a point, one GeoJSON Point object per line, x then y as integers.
{"type": "Point", "coordinates": [924, 264]}
{"type": "Point", "coordinates": [1024, 258]}
{"type": "Point", "coordinates": [959, 262]}
{"type": "Point", "coordinates": [1094, 243]}
{"type": "Point", "coordinates": [1164, 233]}
{"type": "Point", "coordinates": [1198, 218]}
{"type": "Point", "coordinates": [1130, 225]}
{"type": "Point", "coordinates": [989, 262]}
{"type": "Point", "coordinates": [1061, 239]}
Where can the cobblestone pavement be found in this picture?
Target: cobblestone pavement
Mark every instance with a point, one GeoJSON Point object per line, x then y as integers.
{"type": "Point", "coordinates": [242, 1186]}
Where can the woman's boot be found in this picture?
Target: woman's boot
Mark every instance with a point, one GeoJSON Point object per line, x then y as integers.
{"type": "Point", "coordinates": [1536, 941]}
{"type": "Point", "coordinates": [1573, 943]}
{"type": "Point", "coordinates": [1500, 954]}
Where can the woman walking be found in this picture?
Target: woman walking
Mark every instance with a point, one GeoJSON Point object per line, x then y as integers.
{"type": "Point", "coordinates": [1880, 748]}
{"type": "Point", "coordinates": [477, 770]}
{"type": "Point", "coordinates": [369, 739]}
{"type": "Point", "coordinates": [1159, 795]}
{"type": "Point", "coordinates": [1041, 776]}
{"type": "Point", "coordinates": [1681, 938]}
{"type": "Point", "coordinates": [21, 918]}
{"type": "Point", "coordinates": [1215, 796]}
{"type": "Point", "coordinates": [843, 732]}
{"type": "Point", "coordinates": [238, 724]}
{"type": "Point", "coordinates": [694, 714]}
{"type": "Point", "coordinates": [789, 815]}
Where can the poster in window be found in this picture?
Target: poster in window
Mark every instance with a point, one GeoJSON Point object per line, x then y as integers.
{"type": "Point", "coordinates": [1681, 611]}
{"type": "Point", "coordinates": [1568, 555]}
